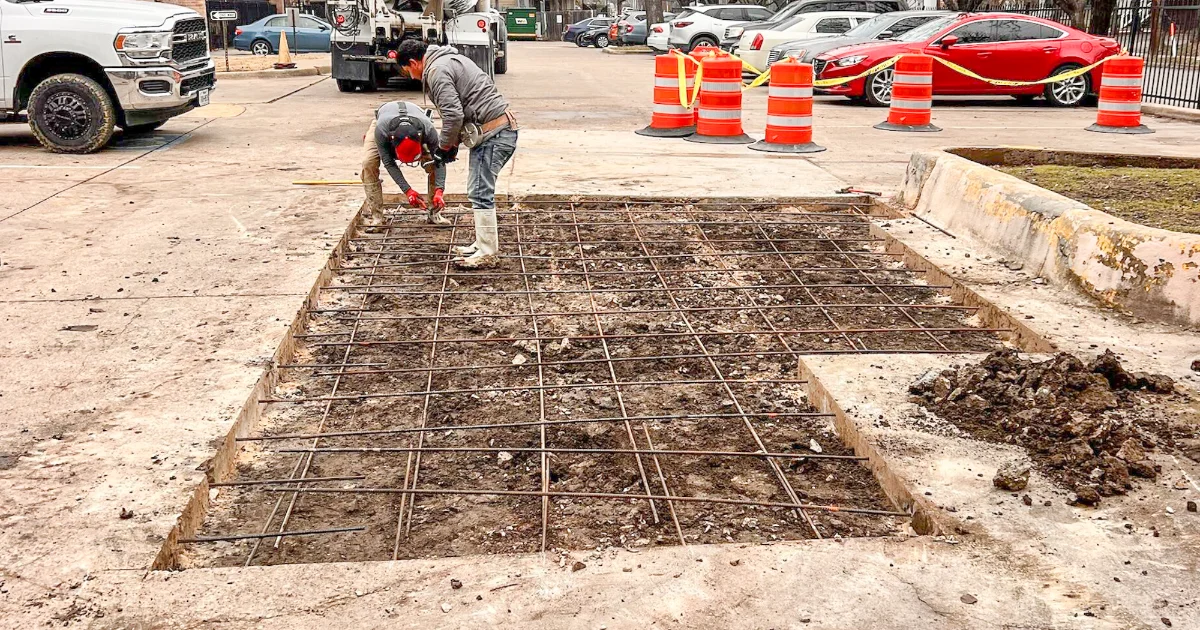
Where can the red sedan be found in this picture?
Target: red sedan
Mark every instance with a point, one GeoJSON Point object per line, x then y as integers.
{"type": "Point", "coordinates": [993, 45]}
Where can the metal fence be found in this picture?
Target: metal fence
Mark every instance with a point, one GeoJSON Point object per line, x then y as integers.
{"type": "Point", "coordinates": [1167, 37]}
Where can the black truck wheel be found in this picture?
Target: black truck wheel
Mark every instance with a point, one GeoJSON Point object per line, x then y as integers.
{"type": "Point", "coordinates": [71, 113]}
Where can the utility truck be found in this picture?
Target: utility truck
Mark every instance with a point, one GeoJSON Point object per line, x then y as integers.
{"type": "Point", "coordinates": [79, 68]}
{"type": "Point", "coordinates": [366, 34]}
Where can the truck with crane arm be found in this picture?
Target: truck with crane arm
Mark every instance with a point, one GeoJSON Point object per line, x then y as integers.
{"type": "Point", "coordinates": [366, 34]}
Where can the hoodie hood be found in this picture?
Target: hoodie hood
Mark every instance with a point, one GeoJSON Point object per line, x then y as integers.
{"type": "Point", "coordinates": [436, 52]}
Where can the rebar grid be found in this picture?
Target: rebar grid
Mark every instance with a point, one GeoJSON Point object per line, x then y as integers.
{"type": "Point", "coordinates": [715, 232]}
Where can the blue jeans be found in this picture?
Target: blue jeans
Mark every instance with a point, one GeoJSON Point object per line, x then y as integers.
{"type": "Point", "coordinates": [486, 161]}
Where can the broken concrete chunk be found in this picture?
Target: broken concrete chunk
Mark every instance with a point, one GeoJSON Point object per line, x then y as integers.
{"type": "Point", "coordinates": [1013, 476]}
{"type": "Point", "coordinates": [813, 446]}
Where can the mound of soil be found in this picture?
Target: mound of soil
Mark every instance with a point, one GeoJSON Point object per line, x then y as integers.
{"type": "Point", "coordinates": [1087, 426]}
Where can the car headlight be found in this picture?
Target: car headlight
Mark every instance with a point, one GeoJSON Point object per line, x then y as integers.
{"type": "Point", "coordinates": [793, 53]}
{"type": "Point", "coordinates": [849, 61]}
{"type": "Point", "coordinates": [143, 45]}
{"type": "Point", "coordinates": [736, 31]}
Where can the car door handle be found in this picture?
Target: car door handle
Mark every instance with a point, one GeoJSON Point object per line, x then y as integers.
{"type": "Point", "coordinates": [984, 54]}
{"type": "Point", "coordinates": [1048, 49]}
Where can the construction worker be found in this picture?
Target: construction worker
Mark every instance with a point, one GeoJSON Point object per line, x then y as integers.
{"type": "Point", "coordinates": [474, 113]}
{"type": "Point", "coordinates": [402, 133]}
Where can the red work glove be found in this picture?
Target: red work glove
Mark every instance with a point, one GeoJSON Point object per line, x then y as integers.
{"type": "Point", "coordinates": [415, 200]}
{"type": "Point", "coordinates": [439, 202]}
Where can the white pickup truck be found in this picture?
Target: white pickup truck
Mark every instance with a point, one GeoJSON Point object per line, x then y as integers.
{"type": "Point", "coordinates": [79, 68]}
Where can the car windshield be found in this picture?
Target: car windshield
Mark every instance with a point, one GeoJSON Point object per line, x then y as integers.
{"type": "Point", "coordinates": [869, 28]}
{"type": "Point", "coordinates": [926, 30]}
{"type": "Point", "coordinates": [785, 12]}
{"type": "Point", "coordinates": [790, 22]}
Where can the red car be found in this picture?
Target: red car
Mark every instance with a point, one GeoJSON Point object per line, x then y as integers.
{"type": "Point", "coordinates": [993, 45]}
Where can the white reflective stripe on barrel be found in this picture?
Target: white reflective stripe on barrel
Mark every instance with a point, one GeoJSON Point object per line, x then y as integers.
{"type": "Point", "coordinates": [789, 92]}
{"type": "Point", "coordinates": [671, 109]}
{"type": "Point", "coordinates": [1113, 106]}
{"type": "Point", "coordinates": [912, 79]}
{"type": "Point", "coordinates": [673, 82]}
{"type": "Point", "coordinates": [789, 121]}
{"type": "Point", "coordinates": [1121, 81]}
{"type": "Point", "coordinates": [715, 86]}
{"type": "Point", "coordinates": [721, 114]}
{"type": "Point", "coordinates": [908, 104]}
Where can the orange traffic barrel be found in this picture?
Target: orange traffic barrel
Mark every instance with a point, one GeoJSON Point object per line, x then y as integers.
{"type": "Point", "coordinates": [698, 53]}
{"type": "Point", "coordinates": [1120, 107]}
{"type": "Point", "coordinates": [912, 95]}
{"type": "Point", "coordinates": [670, 118]}
{"type": "Point", "coordinates": [719, 111]}
{"type": "Point", "coordinates": [789, 110]}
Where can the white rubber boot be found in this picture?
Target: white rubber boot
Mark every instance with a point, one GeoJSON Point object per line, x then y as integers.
{"type": "Point", "coordinates": [374, 192]}
{"type": "Point", "coordinates": [487, 241]}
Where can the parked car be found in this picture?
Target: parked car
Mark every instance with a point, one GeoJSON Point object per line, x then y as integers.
{"type": "Point", "coordinates": [754, 46]}
{"type": "Point", "coordinates": [585, 25]}
{"type": "Point", "coordinates": [735, 31]}
{"type": "Point", "coordinates": [598, 36]}
{"type": "Point", "coordinates": [881, 27]}
{"type": "Point", "coordinates": [262, 37]}
{"type": "Point", "coordinates": [993, 45]}
{"type": "Point", "coordinates": [659, 37]}
{"type": "Point", "coordinates": [633, 31]}
{"type": "Point", "coordinates": [705, 25]}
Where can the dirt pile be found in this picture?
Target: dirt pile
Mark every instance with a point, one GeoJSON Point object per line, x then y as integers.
{"type": "Point", "coordinates": [1087, 426]}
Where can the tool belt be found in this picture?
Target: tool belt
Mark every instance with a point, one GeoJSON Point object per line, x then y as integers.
{"type": "Point", "coordinates": [473, 133]}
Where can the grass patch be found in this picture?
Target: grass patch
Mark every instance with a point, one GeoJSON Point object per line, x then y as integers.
{"type": "Point", "coordinates": [1167, 198]}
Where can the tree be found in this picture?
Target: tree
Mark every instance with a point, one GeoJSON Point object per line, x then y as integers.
{"type": "Point", "coordinates": [1102, 16]}
{"type": "Point", "coordinates": [654, 13]}
{"type": "Point", "coordinates": [1077, 9]}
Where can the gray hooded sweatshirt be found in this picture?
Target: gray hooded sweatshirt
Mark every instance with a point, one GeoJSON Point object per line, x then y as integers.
{"type": "Point", "coordinates": [461, 91]}
{"type": "Point", "coordinates": [390, 121]}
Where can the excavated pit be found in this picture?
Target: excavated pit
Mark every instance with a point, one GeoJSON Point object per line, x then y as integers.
{"type": "Point", "coordinates": [672, 327]}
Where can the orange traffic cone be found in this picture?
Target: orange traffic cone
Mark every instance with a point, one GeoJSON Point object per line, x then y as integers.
{"type": "Point", "coordinates": [285, 57]}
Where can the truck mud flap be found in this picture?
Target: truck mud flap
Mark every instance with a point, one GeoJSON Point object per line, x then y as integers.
{"type": "Point", "coordinates": [482, 57]}
{"type": "Point", "coordinates": [347, 69]}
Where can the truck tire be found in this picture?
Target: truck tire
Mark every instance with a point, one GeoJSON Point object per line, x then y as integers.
{"type": "Point", "coordinates": [70, 113]}
{"type": "Point", "coordinates": [345, 85]}
{"type": "Point", "coordinates": [146, 128]}
{"type": "Point", "coordinates": [501, 64]}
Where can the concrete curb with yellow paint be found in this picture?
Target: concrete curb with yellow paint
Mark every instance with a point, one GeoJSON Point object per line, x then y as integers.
{"type": "Point", "coordinates": [1152, 273]}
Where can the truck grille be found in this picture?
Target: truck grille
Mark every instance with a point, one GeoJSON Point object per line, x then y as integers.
{"type": "Point", "coordinates": [190, 40]}
{"type": "Point", "coordinates": [199, 82]}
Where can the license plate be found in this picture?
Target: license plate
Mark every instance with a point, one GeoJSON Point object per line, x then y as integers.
{"type": "Point", "coordinates": [202, 98]}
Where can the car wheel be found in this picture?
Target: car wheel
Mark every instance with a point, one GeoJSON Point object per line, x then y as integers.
{"type": "Point", "coordinates": [877, 89]}
{"type": "Point", "coordinates": [602, 41]}
{"type": "Point", "coordinates": [581, 42]}
{"type": "Point", "coordinates": [1068, 93]}
{"type": "Point", "coordinates": [71, 113]}
{"type": "Point", "coordinates": [703, 40]}
{"type": "Point", "coordinates": [261, 47]}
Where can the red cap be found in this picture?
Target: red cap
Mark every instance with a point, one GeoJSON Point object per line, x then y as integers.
{"type": "Point", "coordinates": [408, 150]}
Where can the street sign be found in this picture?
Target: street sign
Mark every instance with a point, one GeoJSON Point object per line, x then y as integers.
{"type": "Point", "coordinates": [223, 16]}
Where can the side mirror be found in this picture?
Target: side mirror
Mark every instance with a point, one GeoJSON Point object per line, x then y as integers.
{"type": "Point", "coordinates": [949, 41]}
{"type": "Point", "coordinates": [886, 35]}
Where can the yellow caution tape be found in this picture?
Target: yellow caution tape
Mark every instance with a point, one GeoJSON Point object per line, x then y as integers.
{"type": "Point", "coordinates": [684, 101]}
{"type": "Point", "coordinates": [883, 65]}
{"type": "Point", "coordinates": [1063, 76]}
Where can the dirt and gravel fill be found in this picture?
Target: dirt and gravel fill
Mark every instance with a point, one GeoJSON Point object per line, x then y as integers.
{"type": "Point", "coordinates": [1090, 426]}
{"type": "Point", "coordinates": [721, 375]}
{"type": "Point", "coordinates": [1167, 198]}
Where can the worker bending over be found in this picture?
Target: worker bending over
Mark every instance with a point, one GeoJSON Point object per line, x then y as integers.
{"type": "Point", "coordinates": [474, 113]}
{"type": "Point", "coordinates": [402, 133]}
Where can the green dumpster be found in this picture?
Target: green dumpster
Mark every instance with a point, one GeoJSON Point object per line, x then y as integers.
{"type": "Point", "coordinates": [522, 23]}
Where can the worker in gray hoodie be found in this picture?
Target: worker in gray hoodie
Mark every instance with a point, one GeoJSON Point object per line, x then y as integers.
{"type": "Point", "coordinates": [475, 114]}
{"type": "Point", "coordinates": [401, 133]}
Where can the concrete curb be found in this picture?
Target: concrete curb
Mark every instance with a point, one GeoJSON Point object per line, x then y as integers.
{"type": "Point", "coordinates": [274, 74]}
{"type": "Point", "coordinates": [1171, 111]}
{"type": "Point", "coordinates": [1150, 272]}
{"type": "Point", "coordinates": [629, 50]}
